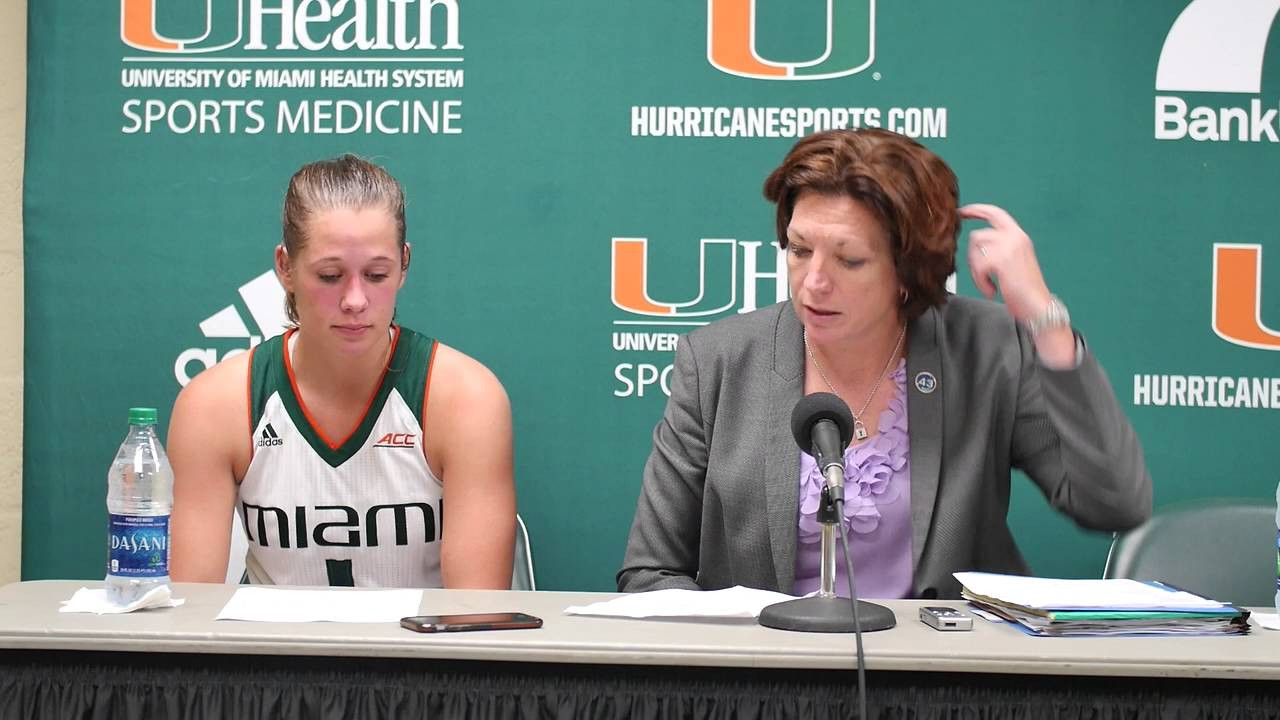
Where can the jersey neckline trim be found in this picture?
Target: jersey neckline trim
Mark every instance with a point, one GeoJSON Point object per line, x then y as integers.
{"type": "Point", "coordinates": [336, 453]}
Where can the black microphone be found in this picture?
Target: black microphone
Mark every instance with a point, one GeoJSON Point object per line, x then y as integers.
{"type": "Point", "coordinates": [823, 425]}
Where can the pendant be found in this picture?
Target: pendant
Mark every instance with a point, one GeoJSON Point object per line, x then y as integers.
{"type": "Point", "coordinates": [859, 430]}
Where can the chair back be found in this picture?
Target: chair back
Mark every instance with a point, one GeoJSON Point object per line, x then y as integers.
{"type": "Point", "coordinates": [1224, 549]}
{"type": "Point", "coordinates": [522, 562]}
{"type": "Point", "coordinates": [236, 573]}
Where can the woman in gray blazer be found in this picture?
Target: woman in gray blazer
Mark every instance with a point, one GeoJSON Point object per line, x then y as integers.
{"type": "Point", "coordinates": [949, 394]}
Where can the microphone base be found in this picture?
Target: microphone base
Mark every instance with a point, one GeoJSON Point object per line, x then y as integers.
{"type": "Point", "coordinates": [826, 614]}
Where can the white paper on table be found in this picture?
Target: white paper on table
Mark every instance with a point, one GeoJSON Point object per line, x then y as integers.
{"type": "Point", "coordinates": [989, 617]}
{"type": "Point", "coordinates": [734, 602]}
{"type": "Point", "coordinates": [261, 604]}
{"type": "Point", "coordinates": [95, 601]}
{"type": "Point", "coordinates": [1269, 621]}
{"type": "Point", "coordinates": [1050, 593]}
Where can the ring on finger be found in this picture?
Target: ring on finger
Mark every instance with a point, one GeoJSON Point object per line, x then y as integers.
{"type": "Point", "coordinates": [982, 249]}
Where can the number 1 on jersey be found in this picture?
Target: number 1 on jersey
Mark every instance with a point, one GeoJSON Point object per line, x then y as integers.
{"type": "Point", "coordinates": [339, 572]}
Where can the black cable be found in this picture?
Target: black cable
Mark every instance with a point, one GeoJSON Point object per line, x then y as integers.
{"type": "Point", "coordinates": [857, 621]}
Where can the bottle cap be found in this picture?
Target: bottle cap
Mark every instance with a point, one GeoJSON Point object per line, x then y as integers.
{"type": "Point", "coordinates": [142, 416]}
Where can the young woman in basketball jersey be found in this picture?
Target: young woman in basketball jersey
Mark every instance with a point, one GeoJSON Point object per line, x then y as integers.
{"type": "Point", "coordinates": [340, 443]}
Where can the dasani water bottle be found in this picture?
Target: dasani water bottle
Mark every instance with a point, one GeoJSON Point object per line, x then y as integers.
{"type": "Point", "coordinates": [139, 500]}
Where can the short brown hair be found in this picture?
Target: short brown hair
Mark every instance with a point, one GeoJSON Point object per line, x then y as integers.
{"type": "Point", "coordinates": [343, 182]}
{"type": "Point", "coordinates": [911, 190]}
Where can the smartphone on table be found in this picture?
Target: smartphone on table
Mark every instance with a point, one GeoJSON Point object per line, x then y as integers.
{"type": "Point", "coordinates": [477, 621]}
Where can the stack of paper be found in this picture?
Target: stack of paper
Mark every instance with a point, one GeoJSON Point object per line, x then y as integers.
{"type": "Point", "coordinates": [1049, 607]}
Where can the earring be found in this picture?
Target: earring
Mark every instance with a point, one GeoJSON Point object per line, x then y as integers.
{"type": "Point", "coordinates": [906, 295]}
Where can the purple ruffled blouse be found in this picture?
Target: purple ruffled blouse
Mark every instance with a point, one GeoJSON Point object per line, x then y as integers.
{"type": "Point", "coordinates": [877, 508]}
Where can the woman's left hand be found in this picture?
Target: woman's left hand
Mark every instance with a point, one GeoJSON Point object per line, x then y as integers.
{"type": "Point", "coordinates": [1002, 257]}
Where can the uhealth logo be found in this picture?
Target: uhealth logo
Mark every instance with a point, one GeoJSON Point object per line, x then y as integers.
{"type": "Point", "coordinates": [263, 298]}
{"type": "Point", "coordinates": [717, 282]}
{"type": "Point", "coordinates": [1237, 297]}
{"type": "Point", "coordinates": [653, 322]}
{"type": "Point", "coordinates": [734, 276]}
{"type": "Point", "coordinates": [1217, 46]}
{"type": "Point", "coordinates": [311, 25]}
{"type": "Point", "coordinates": [849, 32]}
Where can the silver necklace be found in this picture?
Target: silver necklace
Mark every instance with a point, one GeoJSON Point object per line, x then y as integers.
{"type": "Point", "coordinates": [859, 428]}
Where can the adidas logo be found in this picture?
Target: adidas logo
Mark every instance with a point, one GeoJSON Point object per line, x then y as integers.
{"type": "Point", "coordinates": [269, 437]}
{"type": "Point", "coordinates": [263, 300]}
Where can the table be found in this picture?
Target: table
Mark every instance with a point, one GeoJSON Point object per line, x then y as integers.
{"type": "Point", "coordinates": [179, 662]}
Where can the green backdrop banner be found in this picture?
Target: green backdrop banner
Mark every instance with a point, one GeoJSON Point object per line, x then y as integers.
{"type": "Point", "coordinates": [584, 185]}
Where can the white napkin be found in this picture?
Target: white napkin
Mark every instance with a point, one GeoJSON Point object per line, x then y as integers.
{"type": "Point", "coordinates": [95, 601]}
{"type": "Point", "coordinates": [1270, 621]}
{"type": "Point", "coordinates": [283, 605]}
{"type": "Point", "coordinates": [734, 602]}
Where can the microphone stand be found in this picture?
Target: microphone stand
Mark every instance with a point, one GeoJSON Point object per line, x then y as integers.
{"type": "Point", "coordinates": [826, 611]}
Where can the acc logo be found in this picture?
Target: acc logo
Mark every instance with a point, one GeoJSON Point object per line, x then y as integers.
{"type": "Point", "coordinates": [396, 440]}
{"type": "Point", "coordinates": [264, 299]}
{"type": "Point", "coordinates": [1237, 297]}
{"type": "Point", "coordinates": [849, 32]}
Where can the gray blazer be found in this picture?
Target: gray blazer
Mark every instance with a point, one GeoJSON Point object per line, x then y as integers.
{"type": "Point", "coordinates": [718, 505]}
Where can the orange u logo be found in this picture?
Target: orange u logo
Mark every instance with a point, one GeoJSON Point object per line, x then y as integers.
{"type": "Point", "coordinates": [630, 279]}
{"type": "Point", "coordinates": [1237, 297]}
{"type": "Point", "coordinates": [138, 29]}
{"type": "Point", "coordinates": [850, 42]}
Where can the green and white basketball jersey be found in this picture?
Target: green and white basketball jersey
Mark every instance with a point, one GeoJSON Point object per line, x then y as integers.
{"type": "Point", "coordinates": [365, 510]}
